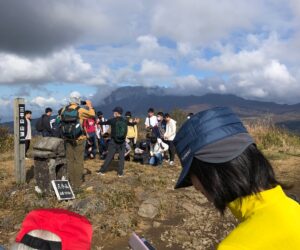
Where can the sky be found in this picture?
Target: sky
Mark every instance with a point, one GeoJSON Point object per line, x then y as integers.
{"type": "Point", "coordinates": [50, 48]}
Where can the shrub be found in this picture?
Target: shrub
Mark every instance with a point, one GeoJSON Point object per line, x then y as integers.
{"type": "Point", "coordinates": [6, 140]}
{"type": "Point", "coordinates": [270, 137]}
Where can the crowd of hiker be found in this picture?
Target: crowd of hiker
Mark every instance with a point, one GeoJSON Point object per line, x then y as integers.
{"type": "Point", "coordinates": [89, 135]}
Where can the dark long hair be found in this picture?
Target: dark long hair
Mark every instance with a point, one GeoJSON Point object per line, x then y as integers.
{"type": "Point", "coordinates": [247, 174]}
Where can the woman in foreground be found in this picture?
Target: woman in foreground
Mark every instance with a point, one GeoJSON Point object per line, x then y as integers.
{"type": "Point", "coordinates": [221, 160]}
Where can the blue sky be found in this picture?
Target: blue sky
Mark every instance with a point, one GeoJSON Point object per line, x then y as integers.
{"type": "Point", "coordinates": [246, 48]}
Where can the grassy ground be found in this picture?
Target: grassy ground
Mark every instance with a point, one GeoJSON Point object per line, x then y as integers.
{"type": "Point", "coordinates": [112, 203]}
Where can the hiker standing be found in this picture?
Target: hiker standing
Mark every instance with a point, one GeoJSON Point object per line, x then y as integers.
{"type": "Point", "coordinates": [28, 134]}
{"type": "Point", "coordinates": [118, 126]}
{"type": "Point", "coordinates": [72, 117]}
{"type": "Point", "coordinates": [56, 126]}
{"type": "Point", "coordinates": [170, 135]}
{"type": "Point", "coordinates": [151, 120]}
{"type": "Point", "coordinates": [101, 130]}
{"type": "Point", "coordinates": [160, 129]}
{"type": "Point", "coordinates": [132, 133]}
{"type": "Point", "coordinates": [43, 123]}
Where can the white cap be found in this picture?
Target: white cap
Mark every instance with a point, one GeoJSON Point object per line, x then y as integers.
{"type": "Point", "coordinates": [75, 97]}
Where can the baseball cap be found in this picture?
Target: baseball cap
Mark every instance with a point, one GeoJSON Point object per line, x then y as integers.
{"type": "Point", "coordinates": [216, 135]}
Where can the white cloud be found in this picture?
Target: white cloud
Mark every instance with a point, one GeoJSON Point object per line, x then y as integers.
{"type": "Point", "coordinates": [189, 80]}
{"type": "Point", "coordinates": [278, 73]}
{"type": "Point", "coordinates": [65, 65]}
{"type": "Point", "coordinates": [201, 22]}
{"type": "Point", "coordinates": [148, 42]}
{"type": "Point", "coordinates": [232, 62]}
{"type": "Point", "coordinates": [5, 102]}
{"type": "Point", "coordinates": [184, 48]}
{"type": "Point", "coordinates": [43, 102]}
{"type": "Point", "coordinates": [154, 68]}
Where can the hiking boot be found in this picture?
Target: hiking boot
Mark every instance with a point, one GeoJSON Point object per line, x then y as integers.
{"type": "Point", "coordinates": [120, 175]}
{"type": "Point", "coordinates": [171, 163]}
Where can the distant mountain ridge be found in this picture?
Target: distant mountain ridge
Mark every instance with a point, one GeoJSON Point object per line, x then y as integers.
{"type": "Point", "coordinates": [139, 99]}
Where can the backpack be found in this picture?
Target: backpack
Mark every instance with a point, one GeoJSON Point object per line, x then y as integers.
{"type": "Point", "coordinates": [121, 130]}
{"type": "Point", "coordinates": [131, 132]}
{"type": "Point", "coordinates": [39, 124]}
{"type": "Point", "coordinates": [70, 123]}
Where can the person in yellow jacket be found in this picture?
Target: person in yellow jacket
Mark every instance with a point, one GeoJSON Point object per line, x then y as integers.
{"type": "Point", "coordinates": [221, 160]}
{"type": "Point", "coordinates": [75, 148]}
{"type": "Point", "coordinates": [132, 131]}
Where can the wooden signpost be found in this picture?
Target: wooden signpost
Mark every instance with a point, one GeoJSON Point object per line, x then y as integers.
{"type": "Point", "coordinates": [19, 139]}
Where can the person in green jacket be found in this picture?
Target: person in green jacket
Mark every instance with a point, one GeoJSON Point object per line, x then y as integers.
{"type": "Point", "coordinates": [221, 160]}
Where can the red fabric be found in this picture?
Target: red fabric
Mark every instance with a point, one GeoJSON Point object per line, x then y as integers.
{"type": "Point", "coordinates": [89, 124]}
{"type": "Point", "coordinates": [74, 230]}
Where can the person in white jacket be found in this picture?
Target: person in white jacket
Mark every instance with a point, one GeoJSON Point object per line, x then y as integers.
{"type": "Point", "coordinates": [170, 135]}
{"type": "Point", "coordinates": [157, 149]}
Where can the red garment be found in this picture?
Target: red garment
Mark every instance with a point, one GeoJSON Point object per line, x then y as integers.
{"type": "Point", "coordinates": [74, 230]}
{"type": "Point", "coordinates": [89, 125]}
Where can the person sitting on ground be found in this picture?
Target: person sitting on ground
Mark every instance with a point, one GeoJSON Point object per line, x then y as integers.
{"type": "Point", "coordinates": [151, 120]}
{"type": "Point", "coordinates": [142, 151]}
{"type": "Point", "coordinates": [106, 140]}
{"type": "Point", "coordinates": [157, 149]}
{"type": "Point", "coordinates": [132, 133]}
{"type": "Point", "coordinates": [118, 126]}
{"type": "Point", "coordinates": [221, 160]}
{"type": "Point", "coordinates": [169, 136]}
{"type": "Point", "coordinates": [46, 128]}
{"type": "Point", "coordinates": [28, 131]}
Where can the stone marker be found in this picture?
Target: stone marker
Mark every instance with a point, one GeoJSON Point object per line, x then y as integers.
{"type": "Point", "coordinates": [49, 162]}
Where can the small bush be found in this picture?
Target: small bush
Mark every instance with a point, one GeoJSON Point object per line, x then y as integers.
{"type": "Point", "coordinates": [6, 140]}
{"type": "Point", "coordinates": [179, 116]}
{"type": "Point", "coordinates": [270, 137]}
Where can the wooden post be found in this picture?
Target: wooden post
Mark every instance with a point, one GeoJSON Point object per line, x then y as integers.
{"type": "Point", "coordinates": [19, 139]}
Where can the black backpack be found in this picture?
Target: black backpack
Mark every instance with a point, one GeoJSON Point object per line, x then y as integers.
{"type": "Point", "coordinates": [70, 123]}
{"type": "Point", "coordinates": [121, 130]}
{"type": "Point", "coordinates": [39, 124]}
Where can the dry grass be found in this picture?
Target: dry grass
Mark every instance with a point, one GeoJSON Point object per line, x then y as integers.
{"type": "Point", "coordinates": [268, 137]}
{"type": "Point", "coordinates": [6, 140]}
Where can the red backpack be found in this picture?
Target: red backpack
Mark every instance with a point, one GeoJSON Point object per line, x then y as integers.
{"type": "Point", "coordinates": [74, 230]}
{"type": "Point", "coordinates": [89, 125]}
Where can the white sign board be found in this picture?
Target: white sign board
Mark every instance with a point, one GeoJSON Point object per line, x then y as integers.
{"type": "Point", "coordinates": [63, 190]}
